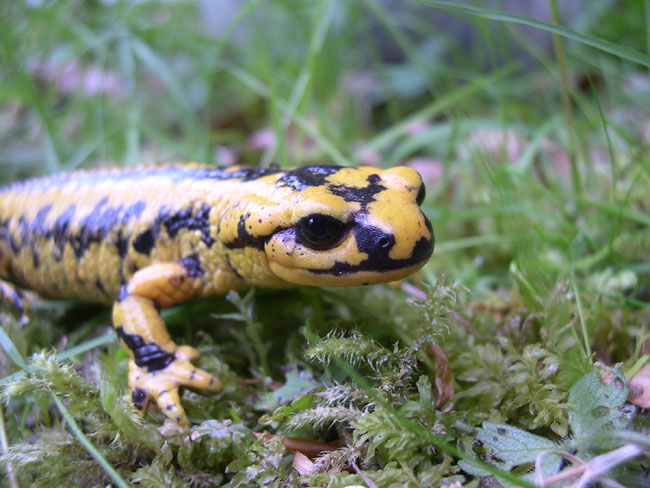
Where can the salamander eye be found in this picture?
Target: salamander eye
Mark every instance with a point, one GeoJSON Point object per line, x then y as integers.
{"type": "Point", "coordinates": [318, 231]}
{"type": "Point", "coordinates": [421, 194]}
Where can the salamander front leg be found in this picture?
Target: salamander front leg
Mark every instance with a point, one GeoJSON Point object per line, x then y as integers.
{"type": "Point", "coordinates": [158, 367]}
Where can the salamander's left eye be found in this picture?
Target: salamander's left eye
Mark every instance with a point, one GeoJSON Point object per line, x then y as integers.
{"type": "Point", "coordinates": [318, 231]}
{"type": "Point", "coordinates": [421, 194]}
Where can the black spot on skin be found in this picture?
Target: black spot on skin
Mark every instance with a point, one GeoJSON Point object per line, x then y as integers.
{"type": "Point", "coordinates": [186, 218]}
{"type": "Point", "coordinates": [122, 294]}
{"type": "Point", "coordinates": [144, 242]}
{"type": "Point", "coordinates": [422, 193]}
{"type": "Point", "coordinates": [423, 248]}
{"type": "Point", "coordinates": [4, 231]}
{"type": "Point", "coordinates": [122, 244]}
{"type": "Point", "coordinates": [428, 224]}
{"type": "Point", "coordinates": [100, 285]}
{"type": "Point", "coordinates": [233, 268]}
{"type": "Point", "coordinates": [61, 227]}
{"type": "Point", "coordinates": [23, 229]}
{"type": "Point", "coordinates": [244, 239]}
{"type": "Point", "coordinates": [38, 227]}
{"type": "Point", "coordinates": [149, 356]}
{"type": "Point", "coordinates": [372, 240]}
{"type": "Point", "coordinates": [38, 224]}
{"type": "Point", "coordinates": [193, 374]}
{"type": "Point", "coordinates": [100, 221]}
{"type": "Point", "coordinates": [170, 407]}
{"type": "Point", "coordinates": [307, 176]}
{"type": "Point", "coordinates": [137, 397]}
{"type": "Point", "coordinates": [193, 265]}
{"type": "Point", "coordinates": [373, 179]}
{"type": "Point", "coordinates": [364, 195]}
{"type": "Point", "coordinates": [15, 247]}
{"type": "Point", "coordinates": [37, 230]}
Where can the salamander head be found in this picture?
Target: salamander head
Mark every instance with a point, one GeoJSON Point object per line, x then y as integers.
{"type": "Point", "coordinates": [351, 226]}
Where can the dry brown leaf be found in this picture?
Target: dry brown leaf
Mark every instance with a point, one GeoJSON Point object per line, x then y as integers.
{"type": "Point", "coordinates": [307, 447]}
{"type": "Point", "coordinates": [443, 380]}
{"type": "Point", "coordinates": [303, 464]}
{"type": "Point", "coordinates": [640, 388]}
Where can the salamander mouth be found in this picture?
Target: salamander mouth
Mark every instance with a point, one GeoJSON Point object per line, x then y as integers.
{"type": "Point", "coordinates": [372, 265]}
{"type": "Point", "coordinates": [301, 276]}
{"type": "Point", "coordinates": [346, 275]}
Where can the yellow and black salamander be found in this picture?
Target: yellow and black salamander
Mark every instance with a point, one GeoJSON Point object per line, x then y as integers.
{"type": "Point", "coordinates": [146, 238]}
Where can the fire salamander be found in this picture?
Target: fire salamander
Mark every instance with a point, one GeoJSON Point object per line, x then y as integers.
{"type": "Point", "coordinates": [146, 238]}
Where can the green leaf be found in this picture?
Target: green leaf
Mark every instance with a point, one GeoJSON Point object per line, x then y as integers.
{"type": "Point", "coordinates": [302, 403]}
{"type": "Point", "coordinates": [595, 402]}
{"type": "Point", "coordinates": [297, 382]}
{"type": "Point", "coordinates": [514, 447]}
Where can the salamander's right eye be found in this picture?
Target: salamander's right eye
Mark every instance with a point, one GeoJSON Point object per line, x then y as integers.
{"type": "Point", "coordinates": [319, 232]}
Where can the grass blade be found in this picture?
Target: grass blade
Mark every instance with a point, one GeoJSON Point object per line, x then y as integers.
{"type": "Point", "coordinates": [581, 315]}
{"type": "Point", "coordinates": [12, 351]}
{"type": "Point", "coordinates": [566, 102]}
{"type": "Point", "coordinates": [595, 42]}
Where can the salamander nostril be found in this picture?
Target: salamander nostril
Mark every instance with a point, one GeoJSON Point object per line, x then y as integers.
{"type": "Point", "coordinates": [384, 242]}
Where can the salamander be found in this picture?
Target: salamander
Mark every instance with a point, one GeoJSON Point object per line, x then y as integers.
{"type": "Point", "coordinates": [146, 238]}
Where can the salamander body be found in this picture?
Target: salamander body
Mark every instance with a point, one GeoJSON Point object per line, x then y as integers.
{"type": "Point", "coordinates": [146, 238]}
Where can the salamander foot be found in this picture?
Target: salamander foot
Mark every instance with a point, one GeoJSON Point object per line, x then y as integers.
{"type": "Point", "coordinates": [162, 385]}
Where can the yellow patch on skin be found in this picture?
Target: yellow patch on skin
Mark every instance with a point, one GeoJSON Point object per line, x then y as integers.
{"type": "Point", "coordinates": [402, 177]}
{"type": "Point", "coordinates": [353, 176]}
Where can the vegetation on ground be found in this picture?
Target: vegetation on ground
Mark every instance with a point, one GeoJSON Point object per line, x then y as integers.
{"type": "Point", "coordinates": [517, 356]}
